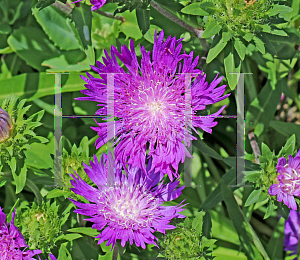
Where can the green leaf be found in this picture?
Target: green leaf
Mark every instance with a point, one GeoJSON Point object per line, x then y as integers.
{"type": "Point", "coordinates": [20, 177]}
{"type": "Point", "coordinates": [41, 5]}
{"type": "Point", "coordinates": [143, 19]}
{"type": "Point", "coordinates": [199, 144]}
{"type": "Point", "coordinates": [256, 196]}
{"type": "Point", "coordinates": [32, 45]}
{"type": "Point", "coordinates": [197, 223]}
{"type": "Point", "coordinates": [240, 48]}
{"type": "Point", "coordinates": [278, 9]}
{"type": "Point", "coordinates": [194, 9]}
{"type": "Point", "coordinates": [209, 7]}
{"type": "Point", "coordinates": [64, 254]}
{"type": "Point", "coordinates": [130, 27]}
{"type": "Point", "coordinates": [283, 210]}
{"type": "Point", "coordinates": [249, 240]}
{"type": "Point", "coordinates": [268, 44]}
{"type": "Point", "coordinates": [248, 37]}
{"type": "Point", "coordinates": [232, 65]}
{"type": "Point", "coordinates": [55, 193]}
{"type": "Point", "coordinates": [85, 230]}
{"type": "Point", "coordinates": [218, 44]}
{"type": "Point", "coordinates": [212, 28]}
{"type": "Point", "coordinates": [207, 225]}
{"type": "Point", "coordinates": [279, 32]}
{"type": "Point", "coordinates": [58, 28]}
{"type": "Point", "coordinates": [275, 245]}
{"type": "Point", "coordinates": [82, 18]}
{"type": "Point", "coordinates": [266, 152]}
{"type": "Point", "coordinates": [215, 197]}
{"type": "Point", "coordinates": [262, 109]}
{"type": "Point", "coordinates": [259, 44]}
{"type": "Point", "coordinates": [286, 129]}
{"type": "Point", "coordinates": [271, 207]}
{"type": "Point", "coordinates": [39, 156]}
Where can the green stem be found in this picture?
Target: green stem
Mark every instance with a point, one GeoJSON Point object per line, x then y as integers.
{"type": "Point", "coordinates": [115, 252]}
{"type": "Point", "coordinates": [164, 12]}
{"type": "Point", "coordinates": [35, 190]}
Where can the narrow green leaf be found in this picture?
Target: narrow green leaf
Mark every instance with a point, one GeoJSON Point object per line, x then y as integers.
{"type": "Point", "coordinates": [240, 48]}
{"type": "Point", "coordinates": [85, 230]}
{"type": "Point", "coordinates": [199, 144]}
{"type": "Point", "coordinates": [275, 245]}
{"type": "Point", "coordinates": [232, 65]}
{"type": "Point", "coordinates": [143, 19]}
{"type": "Point", "coordinates": [255, 196]}
{"type": "Point", "coordinates": [82, 19]}
{"type": "Point", "coordinates": [262, 109]}
{"type": "Point", "coordinates": [194, 9]}
{"type": "Point", "coordinates": [249, 240]}
{"type": "Point", "coordinates": [259, 44]}
{"type": "Point", "coordinates": [212, 28]}
{"type": "Point", "coordinates": [218, 44]}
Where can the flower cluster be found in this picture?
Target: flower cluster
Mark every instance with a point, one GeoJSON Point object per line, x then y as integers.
{"type": "Point", "coordinates": [288, 186]}
{"type": "Point", "coordinates": [130, 210]}
{"type": "Point", "coordinates": [155, 103]}
{"type": "Point", "coordinates": [12, 243]}
{"type": "Point", "coordinates": [292, 233]}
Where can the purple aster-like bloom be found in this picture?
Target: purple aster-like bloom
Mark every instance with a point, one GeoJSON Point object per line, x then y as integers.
{"type": "Point", "coordinates": [132, 209]}
{"type": "Point", "coordinates": [288, 185]}
{"type": "Point", "coordinates": [292, 232]}
{"type": "Point", "coordinates": [96, 4]}
{"type": "Point", "coordinates": [150, 104]}
{"type": "Point", "coordinates": [12, 243]}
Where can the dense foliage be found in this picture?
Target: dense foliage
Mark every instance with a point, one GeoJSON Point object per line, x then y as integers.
{"type": "Point", "coordinates": [74, 215]}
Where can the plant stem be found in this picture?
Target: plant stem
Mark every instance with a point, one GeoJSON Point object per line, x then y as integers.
{"type": "Point", "coordinates": [115, 252]}
{"type": "Point", "coordinates": [157, 7]}
{"type": "Point", "coordinates": [110, 15]}
{"type": "Point", "coordinates": [254, 146]}
{"type": "Point", "coordinates": [65, 8]}
{"type": "Point", "coordinates": [35, 190]}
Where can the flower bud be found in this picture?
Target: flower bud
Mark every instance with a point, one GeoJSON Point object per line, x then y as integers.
{"type": "Point", "coordinates": [5, 125]}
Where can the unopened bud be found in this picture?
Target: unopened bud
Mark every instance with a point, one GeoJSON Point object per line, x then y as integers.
{"type": "Point", "coordinates": [5, 125]}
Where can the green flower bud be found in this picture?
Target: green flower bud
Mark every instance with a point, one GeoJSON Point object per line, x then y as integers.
{"type": "Point", "coordinates": [41, 226]}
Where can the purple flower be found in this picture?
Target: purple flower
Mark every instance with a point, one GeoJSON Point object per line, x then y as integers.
{"type": "Point", "coordinates": [96, 4]}
{"type": "Point", "coordinates": [292, 232]}
{"type": "Point", "coordinates": [288, 185]}
{"type": "Point", "coordinates": [11, 242]}
{"type": "Point", "coordinates": [5, 125]}
{"type": "Point", "coordinates": [150, 103]}
{"type": "Point", "coordinates": [52, 257]}
{"type": "Point", "coordinates": [132, 209]}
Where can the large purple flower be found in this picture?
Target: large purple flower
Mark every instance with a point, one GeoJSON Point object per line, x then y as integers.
{"type": "Point", "coordinates": [292, 232]}
{"type": "Point", "coordinates": [12, 243]}
{"type": "Point", "coordinates": [132, 210]}
{"type": "Point", "coordinates": [288, 185]}
{"type": "Point", "coordinates": [154, 103]}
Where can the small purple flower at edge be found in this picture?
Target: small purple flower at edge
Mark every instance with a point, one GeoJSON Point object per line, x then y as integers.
{"type": "Point", "coordinates": [288, 185]}
{"type": "Point", "coordinates": [11, 241]}
{"type": "Point", "coordinates": [151, 105]}
{"type": "Point", "coordinates": [132, 210]}
{"type": "Point", "coordinates": [292, 233]}
{"type": "Point", "coordinates": [6, 125]}
{"type": "Point", "coordinates": [97, 4]}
